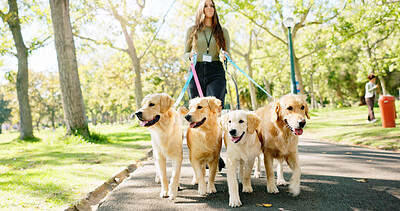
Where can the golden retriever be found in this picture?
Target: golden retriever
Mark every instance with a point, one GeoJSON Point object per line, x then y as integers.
{"type": "Point", "coordinates": [242, 146]}
{"type": "Point", "coordinates": [281, 124]}
{"type": "Point", "coordinates": [204, 140]}
{"type": "Point", "coordinates": [165, 127]}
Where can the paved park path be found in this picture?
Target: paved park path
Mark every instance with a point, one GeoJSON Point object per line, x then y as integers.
{"type": "Point", "coordinates": [334, 177]}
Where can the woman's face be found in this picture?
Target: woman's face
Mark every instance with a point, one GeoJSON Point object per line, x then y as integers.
{"type": "Point", "coordinates": [373, 80]}
{"type": "Point", "coordinates": [209, 9]}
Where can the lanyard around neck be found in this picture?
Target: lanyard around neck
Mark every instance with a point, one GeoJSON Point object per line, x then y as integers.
{"type": "Point", "coordinates": [208, 41]}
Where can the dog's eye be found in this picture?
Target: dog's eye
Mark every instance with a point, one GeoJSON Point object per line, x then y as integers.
{"type": "Point", "coordinates": [229, 121]}
{"type": "Point", "coordinates": [290, 108]}
{"type": "Point", "coordinates": [241, 121]}
{"type": "Point", "coordinates": [152, 104]}
{"type": "Point", "coordinates": [302, 107]}
{"type": "Point", "coordinates": [199, 107]}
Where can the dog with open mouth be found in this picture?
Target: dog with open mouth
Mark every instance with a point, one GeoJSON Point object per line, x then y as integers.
{"type": "Point", "coordinates": [204, 140]}
{"type": "Point", "coordinates": [242, 147]}
{"type": "Point", "coordinates": [282, 122]}
{"type": "Point", "coordinates": [165, 126]}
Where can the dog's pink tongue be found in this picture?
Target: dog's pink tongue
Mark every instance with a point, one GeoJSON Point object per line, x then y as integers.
{"type": "Point", "coordinates": [235, 139]}
{"type": "Point", "coordinates": [143, 123]}
{"type": "Point", "coordinates": [298, 131]}
{"type": "Point", "coordinates": [192, 124]}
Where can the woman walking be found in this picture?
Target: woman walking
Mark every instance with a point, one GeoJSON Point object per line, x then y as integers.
{"type": "Point", "coordinates": [208, 39]}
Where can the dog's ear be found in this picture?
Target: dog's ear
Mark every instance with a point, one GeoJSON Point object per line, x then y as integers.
{"type": "Point", "coordinates": [275, 112]}
{"type": "Point", "coordinates": [223, 121]}
{"type": "Point", "coordinates": [304, 97]}
{"type": "Point", "coordinates": [306, 110]}
{"type": "Point", "coordinates": [166, 103]}
{"type": "Point", "coordinates": [253, 121]}
{"type": "Point", "coordinates": [183, 110]}
{"type": "Point", "coordinates": [215, 104]}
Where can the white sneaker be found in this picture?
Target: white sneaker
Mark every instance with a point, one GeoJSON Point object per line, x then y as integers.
{"type": "Point", "coordinates": [373, 121]}
{"type": "Point", "coordinates": [367, 121]}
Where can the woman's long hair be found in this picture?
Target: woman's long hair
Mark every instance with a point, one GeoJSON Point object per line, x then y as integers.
{"type": "Point", "coordinates": [200, 26]}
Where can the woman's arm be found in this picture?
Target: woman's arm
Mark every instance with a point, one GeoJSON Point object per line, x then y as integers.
{"type": "Point", "coordinates": [188, 47]}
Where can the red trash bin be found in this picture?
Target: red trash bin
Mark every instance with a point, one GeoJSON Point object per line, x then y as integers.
{"type": "Point", "coordinates": [387, 108]}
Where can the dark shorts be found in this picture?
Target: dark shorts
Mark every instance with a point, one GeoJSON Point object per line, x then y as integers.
{"type": "Point", "coordinates": [212, 80]}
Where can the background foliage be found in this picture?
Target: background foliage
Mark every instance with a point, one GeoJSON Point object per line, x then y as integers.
{"type": "Point", "coordinates": [337, 44]}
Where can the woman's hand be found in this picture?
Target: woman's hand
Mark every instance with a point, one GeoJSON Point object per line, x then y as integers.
{"type": "Point", "coordinates": [222, 55]}
{"type": "Point", "coordinates": [191, 55]}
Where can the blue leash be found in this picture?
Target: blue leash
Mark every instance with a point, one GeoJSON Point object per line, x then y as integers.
{"type": "Point", "coordinates": [255, 83]}
{"type": "Point", "coordinates": [186, 85]}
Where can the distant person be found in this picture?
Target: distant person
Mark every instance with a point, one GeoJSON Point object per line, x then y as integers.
{"type": "Point", "coordinates": [370, 94]}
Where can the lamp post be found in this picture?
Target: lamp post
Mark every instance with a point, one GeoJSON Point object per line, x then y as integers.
{"type": "Point", "coordinates": [288, 22]}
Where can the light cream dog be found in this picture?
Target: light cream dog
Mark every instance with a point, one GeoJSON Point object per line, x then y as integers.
{"type": "Point", "coordinates": [165, 126]}
{"type": "Point", "coordinates": [242, 146]}
{"type": "Point", "coordinates": [204, 140]}
{"type": "Point", "coordinates": [281, 124]}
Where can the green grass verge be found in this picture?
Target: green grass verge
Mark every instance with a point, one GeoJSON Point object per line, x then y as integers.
{"type": "Point", "coordinates": [54, 172]}
{"type": "Point", "coordinates": [348, 125]}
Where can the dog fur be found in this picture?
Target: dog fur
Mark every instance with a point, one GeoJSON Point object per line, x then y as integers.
{"type": "Point", "coordinates": [204, 140]}
{"type": "Point", "coordinates": [243, 146]}
{"type": "Point", "coordinates": [165, 126]}
{"type": "Point", "coordinates": [281, 124]}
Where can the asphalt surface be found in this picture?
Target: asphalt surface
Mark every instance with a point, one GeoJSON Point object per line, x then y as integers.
{"type": "Point", "coordinates": [334, 177]}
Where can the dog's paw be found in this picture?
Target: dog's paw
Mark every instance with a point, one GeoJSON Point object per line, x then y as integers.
{"type": "Point", "coordinates": [211, 189]}
{"type": "Point", "coordinates": [194, 181]}
{"type": "Point", "coordinates": [257, 174]}
{"type": "Point", "coordinates": [172, 195]}
{"type": "Point", "coordinates": [272, 189]}
{"type": "Point", "coordinates": [202, 189]}
{"type": "Point", "coordinates": [234, 201]}
{"type": "Point", "coordinates": [247, 189]}
{"type": "Point", "coordinates": [157, 179]}
{"type": "Point", "coordinates": [294, 189]}
{"type": "Point", "coordinates": [164, 194]}
{"type": "Point", "coordinates": [281, 182]}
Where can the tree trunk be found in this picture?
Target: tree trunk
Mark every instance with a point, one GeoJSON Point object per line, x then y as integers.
{"type": "Point", "coordinates": [297, 73]}
{"type": "Point", "coordinates": [253, 95]}
{"type": "Point", "coordinates": [383, 85]}
{"type": "Point", "coordinates": [138, 84]}
{"type": "Point", "coordinates": [0, 128]}
{"type": "Point", "coordinates": [72, 100]}
{"type": "Point", "coordinates": [267, 86]}
{"type": "Point", "coordinates": [52, 119]}
{"type": "Point", "coordinates": [22, 75]}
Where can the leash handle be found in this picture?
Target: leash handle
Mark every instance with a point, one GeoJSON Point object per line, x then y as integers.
{"type": "Point", "coordinates": [196, 79]}
{"type": "Point", "coordinates": [254, 82]}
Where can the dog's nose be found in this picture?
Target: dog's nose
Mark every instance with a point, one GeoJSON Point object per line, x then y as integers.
{"type": "Point", "coordinates": [139, 114]}
{"type": "Point", "coordinates": [232, 132]}
{"type": "Point", "coordinates": [188, 117]}
{"type": "Point", "coordinates": [302, 123]}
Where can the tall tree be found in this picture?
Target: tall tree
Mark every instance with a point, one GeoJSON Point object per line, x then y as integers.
{"type": "Point", "coordinates": [13, 21]}
{"type": "Point", "coordinates": [72, 100]}
{"type": "Point", "coordinates": [269, 17]}
{"type": "Point", "coordinates": [138, 32]}
{"type": "Point", "coordinates": [5, 111]}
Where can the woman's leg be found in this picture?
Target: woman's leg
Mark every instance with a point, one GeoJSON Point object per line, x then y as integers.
{"type": "Point", "coordinates": [370, 104]}
{"type": "Point", "coordinates": [216, 82]}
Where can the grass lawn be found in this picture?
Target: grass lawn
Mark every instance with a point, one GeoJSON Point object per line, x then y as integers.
{"type": "Point", "coordinates": [348, 125]}
{"type": "Point", "coordinates": [52, 173]}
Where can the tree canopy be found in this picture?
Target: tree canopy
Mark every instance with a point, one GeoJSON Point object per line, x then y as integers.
{"type": "Point", "coordinates": [127, 49]}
